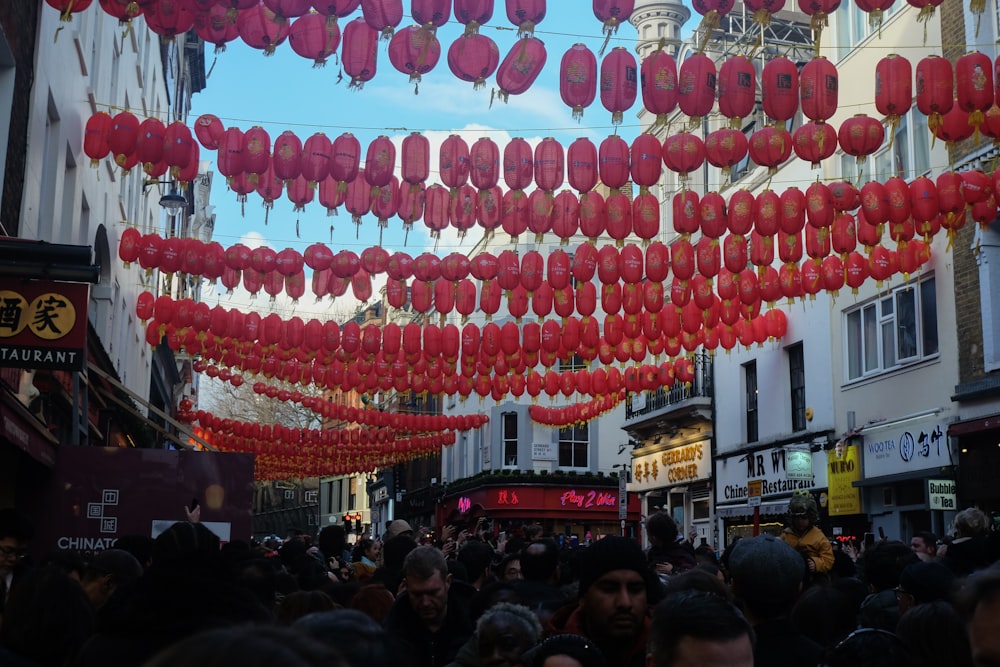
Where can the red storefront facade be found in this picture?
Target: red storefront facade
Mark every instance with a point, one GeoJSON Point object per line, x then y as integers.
{"type": "Point", "coordinates": [562, 509]}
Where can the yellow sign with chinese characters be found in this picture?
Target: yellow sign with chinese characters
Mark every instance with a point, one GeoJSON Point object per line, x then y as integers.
{"type": "Point", "coordinates": [843, 471]}
{"type": "Point", "coordinates": [43, 324]}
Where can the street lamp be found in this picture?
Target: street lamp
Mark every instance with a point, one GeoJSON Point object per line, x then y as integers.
{"type": "Point", "coordinates": [171, 203]}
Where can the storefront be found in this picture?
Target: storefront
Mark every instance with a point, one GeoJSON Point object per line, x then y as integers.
{"type": "Point", "coordinates": [976, 442]}
{"type": "Point", "coordinates": [900, 460]}
{"type": "Point", "coordinates": [577, 512]}
{"type": "Point", "coordinates": [677, 479]}
{"type": "Point", "coordinates": [771, 475]}
{"type": "Point", "coordinates": [848, 522]}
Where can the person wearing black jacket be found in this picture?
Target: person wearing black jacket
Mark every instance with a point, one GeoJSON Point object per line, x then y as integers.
{"type": "Point", "coordinates": [429, 616]}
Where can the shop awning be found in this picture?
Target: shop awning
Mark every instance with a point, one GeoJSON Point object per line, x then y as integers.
{"type": "Point", "coordinates": [22, 429]}
{"type": "Point", "coordinates": [974, 426]}
{"type": "Point", "coordinates": [770, 508]}
{"type": "Point", "coordinates": [946, 472]}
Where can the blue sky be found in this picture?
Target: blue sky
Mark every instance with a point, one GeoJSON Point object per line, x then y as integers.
{"type": "Point", "coordinates": [284, 91]}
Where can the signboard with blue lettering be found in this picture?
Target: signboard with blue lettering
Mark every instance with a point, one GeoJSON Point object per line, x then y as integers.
{"type": "Point", "coordinates": [910, 446]}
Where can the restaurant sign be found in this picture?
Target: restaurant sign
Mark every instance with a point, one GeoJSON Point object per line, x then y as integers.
{"type": "Point", "coordinates": [43, 324]}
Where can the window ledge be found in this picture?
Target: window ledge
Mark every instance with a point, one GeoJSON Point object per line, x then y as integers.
{"type": "Point", "coordinates": [895, 370]}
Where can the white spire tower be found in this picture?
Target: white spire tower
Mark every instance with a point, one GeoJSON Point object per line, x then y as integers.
{"type": "Point", "coordinates": [658, 19]}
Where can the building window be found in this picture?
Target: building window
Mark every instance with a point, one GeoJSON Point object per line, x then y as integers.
{"type": "Point", "coordinates": [509, 439]}
{"type": "Point", "coordinates": [744, 166]}
{"type": "Point", "coordinates": [893, 330]}
{"type": "Point", "coordinates": [797, 376]}
{"type": "Point", "coordinates": [750, 382]}
{"type": "Point", "coordinates": [574, 442]}
{"type": "Point", "coordinates": [574, 363]}
{"type": "Point", "coordinates": [853, 27]}
{"type": "Point", "coordinates": [909, 155]}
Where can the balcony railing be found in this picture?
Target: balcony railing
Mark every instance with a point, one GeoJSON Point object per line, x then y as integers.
{"type": "Point", "coordinates": [661, 398]}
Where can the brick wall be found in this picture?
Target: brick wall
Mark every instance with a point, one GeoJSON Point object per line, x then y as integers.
{"type": "Point", "coordinates": [19, 23]}
{"type": "Point", "coordinates": [969, 322]}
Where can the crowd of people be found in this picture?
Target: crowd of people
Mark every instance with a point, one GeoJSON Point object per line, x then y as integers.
{"type": "Point", "coordinates": [460, 597]}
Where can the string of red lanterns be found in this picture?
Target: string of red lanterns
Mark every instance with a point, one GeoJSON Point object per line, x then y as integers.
{"type": "Point", "coordinates": [733, 233]}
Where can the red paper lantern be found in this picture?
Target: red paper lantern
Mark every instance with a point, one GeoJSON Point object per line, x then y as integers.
{"type": "Point", "coordinates": [581, 165]}
{"type": "Point", "coordinates": [520, 67]}
{"type": "Point", "coordinates": [770, 147]}
{"type": "Point", "coordinates": [712, 215]}
{"type": "Point", "coordinates": [646, 163]}
{"type": "Point", "coordinates": [314, 37]}
{"type": "Point", "coordinates": [593, 215]}
{"type": "Point", "coordinates": [696, 86]}
{"type": "Point", "coordinates": [414, 51]}
{"type": "Point", "coordinates": [518, 164]}
{"type": "Point", "coordinates": [359, 55]}
{"type": "Point", "coordinates": [763, 9]}
{"type": "Point", "coordinates": [525, 14]}
{"type": "Point", "coordinates": [779, 82]}
{"type": "Point", "coordinates": [484, 158]}
{"type": "Point", "coordinates": [893, 88]}
{"type": "Point", "coordinates": [549, 165]}
{"type": "Point", "coordinates": [646, 216]}
{"type": "Point", "coordinates": [431, 13]}
{"type": "Point", "coordinates": [382, 16]}
{"type": "Point", "coordinates": [683, 153]}
{"type": "Point", "coordinates": [686, 207]}
{"type": "Point", "coordinates": [726, 148]}
{"type": "Point", "coordinates": [974, 86]}
{"type": "Point", "coordinates": [619, 222]}
{"type": "Point", "coordinates": [737, 89]}
{"type": "Point", "coordinates": [792, 214]}
{"type": "Point", "coordinates": [213, 25]}
{"type": "Point", "coordinates": [843, 234]}
{"type": "Point", "coordinates": [814, 142]}
{"type": "Point", "coordinates": [95, 137]}
{"type": "Point", "coordinates": [473, 58]}
{"type": "Point", "coordinates": [259, 29]}
{"type": "Point", "coordinates": [860, 136]}
{"type": "Point", "coordinates": [614, 159]}
{"type": "Point", "coordinates": [67, 8]}
{"type": "Point", "coordinates": [578, 78]}
{"type": "Point", "coordinates": [613, 13]}
{"type": "Point", "coordinates": [767, 213]}
{"type": "Point", "coordinates": [619, 82]}
{"type": "Point", "coordinates": [345, 159]}
{"type": "Point", "coordinates": [935, 86]}
{"type": "Point", "coordinates": [875, 10]}
{"type": "Point", "coordinates": [415, 158]}
{"type": "Point", "coordinates": [955, 125]}
{"type": "Point", "coordinates": [167, 18]}
{"type": "Point", "coordinates": [818, 85]}
{"type": "Point", "coordinates": [122, 136]}
{"type": "Point", "coordinates": [287, 157]}
{"type": "Point", "coordinates": [488, 208]}
{"type": "Point", "coordinates": [565, 215]}
{"type": "Point", "coordinates": [473, 13]}
{"type": "Point", "coordinates": [659, 85]}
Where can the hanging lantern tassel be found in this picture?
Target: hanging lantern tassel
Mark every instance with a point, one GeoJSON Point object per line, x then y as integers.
{"type": "Point", "coordinates": [762, 17]}
{"type": "Point", "coordinates": [925, 15]}
{"type": "Point", "coordinates": [892, 124]}
{"type": "Point", "coordinates": [415, 80]}
{"type": "Point", "coordinates": [471, 28]}
{"type": "Point", "coordinates": [708, 24]}
{"type": "Point", "coordinates": [875, 20]}
{"type": "Point", "coordinates": [977, 7]}
{"type": "Point", "coordinates": [976, 118]}
{"type": "Point", "coordinates": [933, 123]}
{"type": "Point", "coordinates": [819, 21]}
{"type": "Point", "coordinates": [268, 205]}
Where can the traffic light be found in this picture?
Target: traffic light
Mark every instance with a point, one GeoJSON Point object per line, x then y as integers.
{"type": "Point", "coordinates": [347, 523]}
{"type": "Point", "coordinates": [357, 523]}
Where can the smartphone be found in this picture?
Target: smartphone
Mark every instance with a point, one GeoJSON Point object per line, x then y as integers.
{"type": "Point", "coordinates": [869, 540]}
{"type": "Point", "coordinates": [881, 533]}
{"type": "Point", "coordinates": [503, 535]}
{"type": "Point", "coordinates": [194, 505]}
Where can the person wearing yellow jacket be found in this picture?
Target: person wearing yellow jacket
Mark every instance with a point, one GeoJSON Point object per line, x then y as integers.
{"type": "Point", "coordinates": [804, 535]}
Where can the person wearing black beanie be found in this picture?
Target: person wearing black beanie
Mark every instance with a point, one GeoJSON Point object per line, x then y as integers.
{"type": "Point", "coordinates": [614, 601]}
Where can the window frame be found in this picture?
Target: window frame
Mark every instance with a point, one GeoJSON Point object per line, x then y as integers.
{"type": "Point", "coordinates": [797, 385]}
{"type": "Point", "coordinates": [751, 405]}
{"type": "Point", "coordinates": [873, 329]}
{"type": "Point", "coordinates": [574, 440]}
{"type": "Point", "coordinates": [506, 439]}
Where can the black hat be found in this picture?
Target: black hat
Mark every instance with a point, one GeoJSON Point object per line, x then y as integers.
{"type": "Point", "coordinates": [608, 554]}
